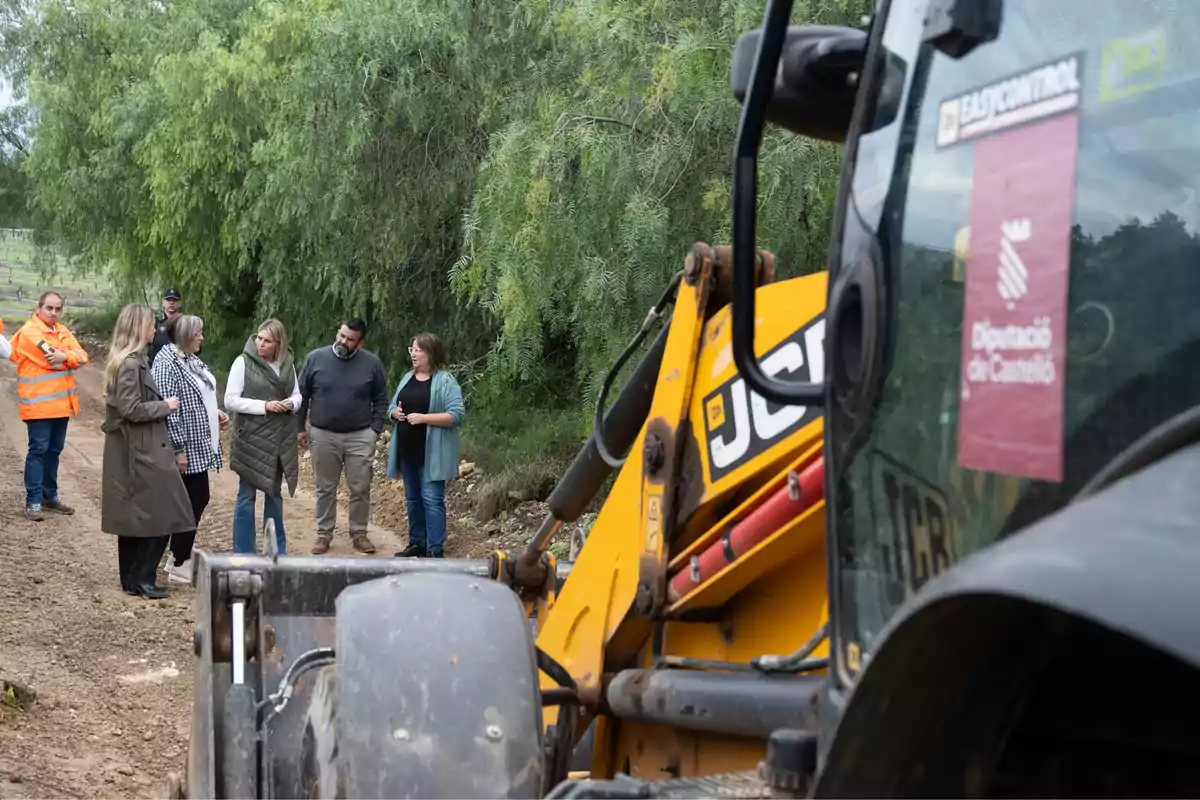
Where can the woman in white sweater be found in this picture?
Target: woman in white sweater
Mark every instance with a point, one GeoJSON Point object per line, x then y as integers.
{"type": "Point", "coordinates": [263, 393]}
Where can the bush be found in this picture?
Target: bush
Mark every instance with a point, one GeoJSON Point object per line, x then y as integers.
{"type": "Point", "coordinates": [96, 322]}
{"type": "Point", "coordinates": [522, 452]}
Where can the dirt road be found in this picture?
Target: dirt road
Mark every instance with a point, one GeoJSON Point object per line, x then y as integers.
{"type": "Point", "coordinates": [113, 673]}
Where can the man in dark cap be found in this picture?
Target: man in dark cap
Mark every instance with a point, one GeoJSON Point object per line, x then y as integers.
{"type": "Point", "coordinates": [170, 308]}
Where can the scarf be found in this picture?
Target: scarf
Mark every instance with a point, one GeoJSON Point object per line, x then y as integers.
{"type": "Point", "coordinates": [195, 366]}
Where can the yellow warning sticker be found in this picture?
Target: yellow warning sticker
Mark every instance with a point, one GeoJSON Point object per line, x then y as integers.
{"type": "Point", "coordinates": [962, 249]}
{"type": "Point", "coordinates": [1130, 65]}
{"type": "Point", "coordinates": [853, 657]}
{"type": "Point", "coordinates": [716, 412]}
{"type": "Point", "coordinates": [654, 514]}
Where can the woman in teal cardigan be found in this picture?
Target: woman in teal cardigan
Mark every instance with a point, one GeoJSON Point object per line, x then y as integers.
{"type": "Point", "coordinates": [426, 412]}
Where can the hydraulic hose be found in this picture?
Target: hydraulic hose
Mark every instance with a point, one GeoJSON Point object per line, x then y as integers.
{"type": "Point", "coordinates": [588, 471]}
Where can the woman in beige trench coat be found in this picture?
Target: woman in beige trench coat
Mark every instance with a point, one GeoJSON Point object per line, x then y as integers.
{"type": "Point", "coordinates": [143, 499]}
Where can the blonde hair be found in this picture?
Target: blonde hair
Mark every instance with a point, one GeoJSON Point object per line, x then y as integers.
{"type": "Point", "coordinates": [279, 333]}
{"type": "Point", "coordinates": [128, 338]}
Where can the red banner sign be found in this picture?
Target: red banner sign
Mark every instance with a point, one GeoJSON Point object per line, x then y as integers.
{"type": "Point", "coordinates": [1015, 314]}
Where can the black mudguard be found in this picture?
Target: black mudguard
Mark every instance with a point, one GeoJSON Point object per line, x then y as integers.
{"type": "Point", "coordinates": [1112, 577]}
{"type": "Point", "coordinates": [434, 694]}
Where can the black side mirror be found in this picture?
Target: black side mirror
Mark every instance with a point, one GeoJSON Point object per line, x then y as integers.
{"type": "Point", "coordinates": [816, 81]}
{"type": "Point", "coordinates": [805, 79]}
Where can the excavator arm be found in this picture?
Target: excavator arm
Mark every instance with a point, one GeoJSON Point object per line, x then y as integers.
{"type": "Point", "coordinates": [680, 654]}
{"type": "Point", "coordinates": [705, 559]}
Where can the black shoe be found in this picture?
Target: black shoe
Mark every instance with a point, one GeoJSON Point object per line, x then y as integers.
{"type": "Point", "coordinates": [149, 591]}
{"type": "Point", "coordinates": [435, 554]}
{"type": "Point", "coordinates": [57, 506]}
{"type": "Point", "coordinates": [412, 551]}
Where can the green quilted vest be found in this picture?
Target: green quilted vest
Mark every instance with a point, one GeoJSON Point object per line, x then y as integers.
{"type": "Point", "coordinates": [260, 442]}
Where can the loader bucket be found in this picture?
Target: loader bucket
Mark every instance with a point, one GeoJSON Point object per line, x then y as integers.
{"type": "Point", "coordinates": [250, 740]}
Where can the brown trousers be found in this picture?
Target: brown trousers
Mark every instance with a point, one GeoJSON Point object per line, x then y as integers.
{"type": "Point", "coordinates": [334, 454]}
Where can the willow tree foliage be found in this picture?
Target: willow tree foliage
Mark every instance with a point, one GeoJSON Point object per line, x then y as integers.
{"type": "Point", "coordinates": [308, 159]}
{"type": "Point", "coordinates": [520, 176]}
{"type": "Point", "coordinates": [616, 155]}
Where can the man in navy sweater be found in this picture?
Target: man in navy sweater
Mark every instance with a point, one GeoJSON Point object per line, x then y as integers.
{"type": "Point", "coordinates": [343, 396]}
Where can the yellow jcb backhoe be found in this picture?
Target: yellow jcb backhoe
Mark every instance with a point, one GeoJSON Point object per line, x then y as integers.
{"type": "Point", "coordinates": [925, 525]}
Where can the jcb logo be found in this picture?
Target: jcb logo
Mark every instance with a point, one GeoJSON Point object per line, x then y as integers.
{"type": "Point", "coordinates": [741, 424]}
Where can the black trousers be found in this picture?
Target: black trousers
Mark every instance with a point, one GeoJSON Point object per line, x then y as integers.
{"type": "Point", "coordinates": [138, 557]}
{"type": "Point", "coordinates": [198, 492]}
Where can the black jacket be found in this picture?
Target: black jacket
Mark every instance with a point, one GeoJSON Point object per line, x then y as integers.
{"type": "Point", "coordinates": [161, 339]}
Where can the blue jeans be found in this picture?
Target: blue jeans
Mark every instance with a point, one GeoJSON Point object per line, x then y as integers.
{"type": "Point", "coordinates": [244, 525]}
{"type": "Point", "coordinates": [46, 440]}
{"type": "Point", "coordinates": [426, 501]}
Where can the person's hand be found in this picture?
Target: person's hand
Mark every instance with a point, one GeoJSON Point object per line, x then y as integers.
{"type": "Point", "coordinates": [173, 403]}
{"type": "Point", "coordinates": [222, 418]}
{"type": "Point", "coordinates": [287, 404]}
{"type": "Point", "coordinates": [302, 439]}
{"type": "Point", "coordinates": [56, 358]}
{"type": "Point", "coordinates": [275, 407]}
{"type": "Point", "coordinates": [398, 413]}
{"type": "Point", "coordinates": [416, 419]}
{"type": "Point", "coordinates": [181, 461]}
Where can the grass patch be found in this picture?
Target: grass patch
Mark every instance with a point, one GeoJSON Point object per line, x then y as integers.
{"type": "Point", "coordinates": [16, 695]}
{"type": "Point", "coordinates": [98, 322]}
{"type": "Point", "coordinates": [26, 272]}
{"type": "Point", "coordinates": [522, 453]}
{"type": "Point", "coordinates": [29, 272]}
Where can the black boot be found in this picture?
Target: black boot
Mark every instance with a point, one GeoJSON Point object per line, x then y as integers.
{"type": "Point", "coordinates": [150, 591]}
{"type": "Point", "coordinates": [128, 555]}
{"type": "Point", "coordinates": [144, 579]}
{"type": "Point", "coordinates": [412, 551]}
{"type": "Point", "coordinates": [57, 506]}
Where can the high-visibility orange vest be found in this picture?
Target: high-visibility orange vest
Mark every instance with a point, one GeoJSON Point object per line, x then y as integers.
{"type": "Point", "coordinates": [43, 391]}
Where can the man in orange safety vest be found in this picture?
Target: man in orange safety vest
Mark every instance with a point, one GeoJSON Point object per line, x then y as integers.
{"type": "Point", "coordinates": [46, 355]}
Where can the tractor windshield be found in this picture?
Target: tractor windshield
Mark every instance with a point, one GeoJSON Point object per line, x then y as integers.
{"type": "Point", "coordinates": [1034, 213]}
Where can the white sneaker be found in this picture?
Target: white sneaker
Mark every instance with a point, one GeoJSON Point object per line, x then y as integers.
{"type": "Point", "coordinates": [181, 573]}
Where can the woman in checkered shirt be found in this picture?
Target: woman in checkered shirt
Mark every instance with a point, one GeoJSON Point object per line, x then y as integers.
{"type": "Point", "coordinates": [194, 429]}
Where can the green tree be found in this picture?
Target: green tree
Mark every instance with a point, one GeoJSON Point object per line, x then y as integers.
{"type": "Point", "coordinates": [14, 187]}
{"type": "Point", "coordinates": [615, 155]}
{"type": "Point", "coordinates": [306, 159]}
{"type": "Point", "coordinates": [14, 119]}
{"type": "Point", "coordinates": [520, 177]}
